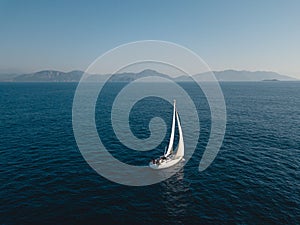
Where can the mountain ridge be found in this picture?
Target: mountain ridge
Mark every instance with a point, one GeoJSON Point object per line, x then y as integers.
{"type": "Point", "coordinates": [75, 76]}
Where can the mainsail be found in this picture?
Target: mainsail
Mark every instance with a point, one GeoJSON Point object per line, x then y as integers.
{"type": "Point", "coordinates": [180, 147]}
{"type": "Point", "coordinates": [170, 147]}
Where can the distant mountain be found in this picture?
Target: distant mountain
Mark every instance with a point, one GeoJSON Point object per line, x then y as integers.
{"type": "Point", "coordinates": [234, 75]}
{"type": "Point", "coordinates": [128, 77]}
{"type": "Point", "coordinates": [50, 76]}
{"type": "Point", "coordinates": [7, 77]}
{"type": "Point", "coordinates": [74, 76]}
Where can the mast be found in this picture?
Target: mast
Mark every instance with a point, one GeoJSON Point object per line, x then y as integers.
{"type": "Point", "coordinates": [170, 147]}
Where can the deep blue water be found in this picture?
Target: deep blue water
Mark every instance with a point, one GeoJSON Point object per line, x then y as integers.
{"type": "Point", "coordinates": [255, 178]}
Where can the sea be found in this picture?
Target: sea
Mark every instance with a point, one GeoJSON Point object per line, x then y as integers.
{"type": "Point", "coordinates": [254, 179]}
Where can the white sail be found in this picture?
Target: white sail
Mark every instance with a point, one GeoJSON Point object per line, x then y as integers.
{"type": "Point", "coordinates": [170, 147]}
{"type": "Point", "coordinates": [180, 147]}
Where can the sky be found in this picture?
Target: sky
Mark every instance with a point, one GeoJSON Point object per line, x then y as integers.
{"type": "Point", "coordinates": [70, 35]}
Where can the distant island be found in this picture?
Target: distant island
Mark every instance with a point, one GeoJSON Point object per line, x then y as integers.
{"type": "Point", "coordinates": [270, 80]}
{"type": "Point", "coordinates": [75, 76]}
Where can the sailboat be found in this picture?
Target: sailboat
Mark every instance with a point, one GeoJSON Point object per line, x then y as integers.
{"type": "Point", "coordinates": [170, 157]}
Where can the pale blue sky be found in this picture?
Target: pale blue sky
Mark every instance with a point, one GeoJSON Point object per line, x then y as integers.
{"type": "Point", "coordinates": [68, 35]}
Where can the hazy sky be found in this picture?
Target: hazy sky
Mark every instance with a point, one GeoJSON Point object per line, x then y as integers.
{"type": "Point", "coordinates": [68, 35]}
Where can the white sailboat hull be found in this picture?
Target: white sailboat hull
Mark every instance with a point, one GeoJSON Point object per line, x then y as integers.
{"type": "Point", "coordinates": [165, 164]}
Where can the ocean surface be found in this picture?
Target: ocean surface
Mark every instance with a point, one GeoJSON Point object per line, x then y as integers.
{"type": "Point", "coordinates": [255, 178]}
